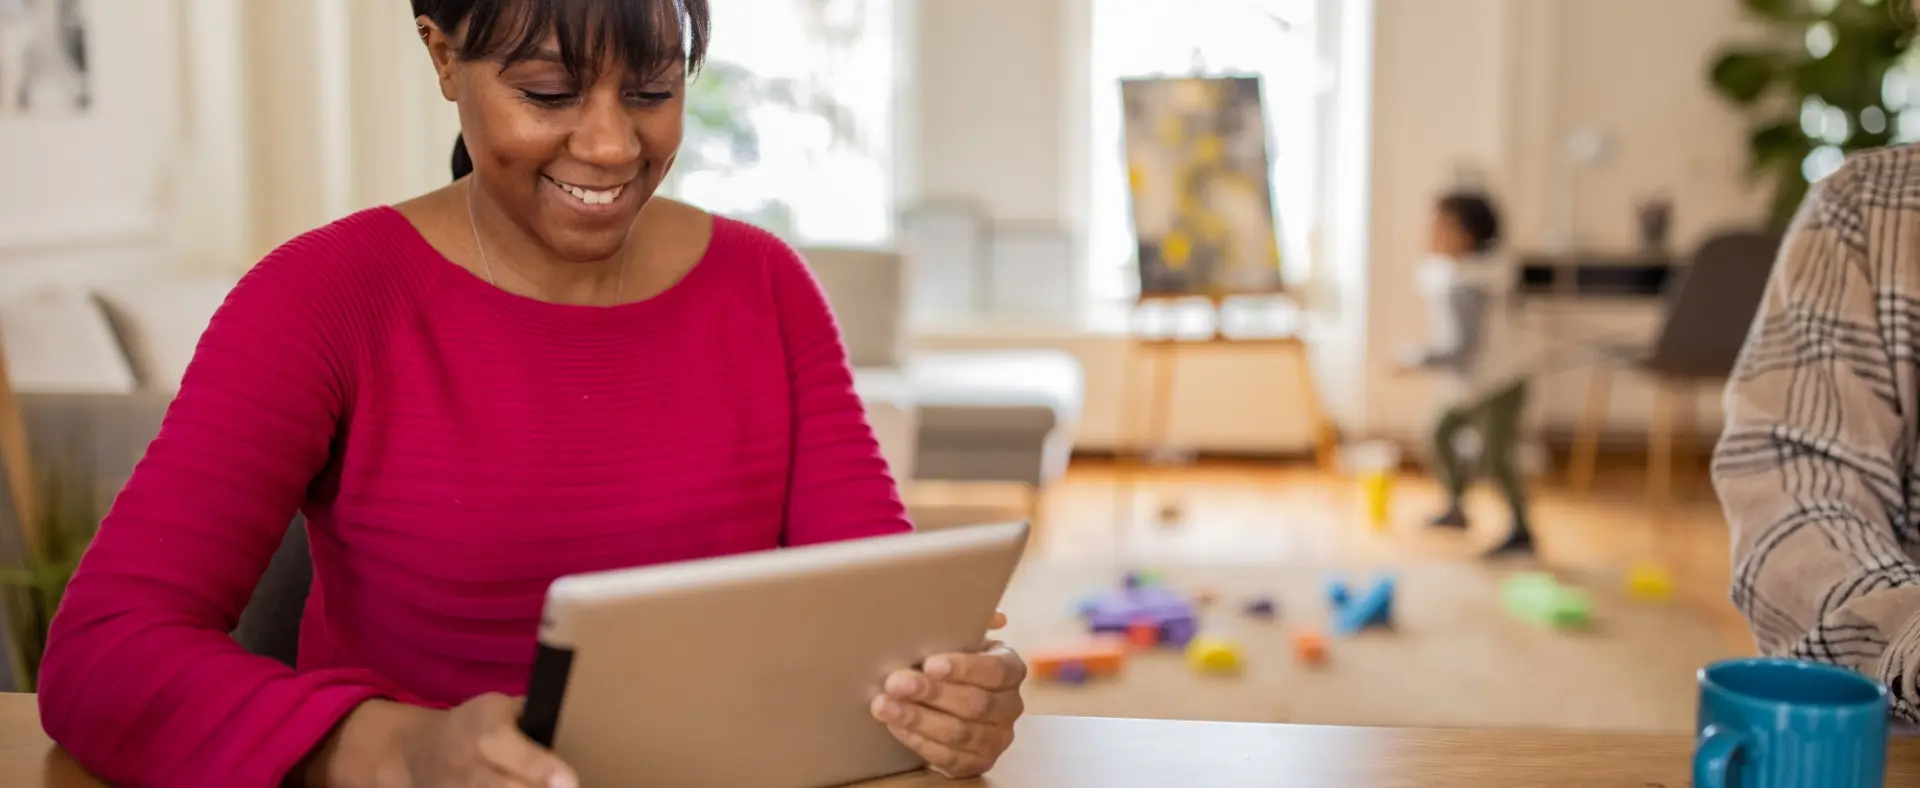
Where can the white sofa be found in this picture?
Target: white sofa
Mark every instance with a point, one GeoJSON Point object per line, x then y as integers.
{"type": "Point", "coordinates": [980, 416]}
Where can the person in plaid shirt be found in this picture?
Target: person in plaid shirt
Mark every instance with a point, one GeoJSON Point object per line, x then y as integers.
{"type": "Point", "coordinates": [1815, 469]}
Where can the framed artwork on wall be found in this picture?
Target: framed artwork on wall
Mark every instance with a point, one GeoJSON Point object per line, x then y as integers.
{"type": "Point", "coordinates": [43, 58]}
{"type": "Point", "coordinates": [1198, 173]}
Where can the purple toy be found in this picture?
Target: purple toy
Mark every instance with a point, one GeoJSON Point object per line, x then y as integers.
{"type": "Point", "coordinates": [1261, 608]}
{"type": "Point", "coordinates": [1071, 673]}
{"type": "Point", "coordinates": [1114, 613]}
{"type": "Point", "coordinates": [1178, 632]}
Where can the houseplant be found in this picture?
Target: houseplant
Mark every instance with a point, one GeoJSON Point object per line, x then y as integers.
{"type": "Point", "coordinates": [63, 523]}
{"type": "Point", "coordinates": [1816, 87]}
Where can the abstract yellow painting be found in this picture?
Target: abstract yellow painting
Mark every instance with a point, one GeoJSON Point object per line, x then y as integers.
{"type": "Point", "coordinates": [1198, 172]}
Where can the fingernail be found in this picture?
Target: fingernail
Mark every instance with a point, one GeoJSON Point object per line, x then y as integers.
{"type": "Point", "coordinates": [890, 711]}
{"type": "Point", "coordinates": [562, 781]}
{"type": "Point", "coordinates": [902, 684]}
{"type": "Point", "coordinates": [939, 667]}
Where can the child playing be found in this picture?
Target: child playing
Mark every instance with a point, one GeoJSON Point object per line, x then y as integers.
{"type": "Point", "coordinates": [1465, 285]}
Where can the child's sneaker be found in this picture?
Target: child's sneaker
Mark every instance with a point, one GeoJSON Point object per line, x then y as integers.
{"type": "Point", "coordinates": [1452, 518]}
{"type": "Point", "coordinates": [1517, 545]}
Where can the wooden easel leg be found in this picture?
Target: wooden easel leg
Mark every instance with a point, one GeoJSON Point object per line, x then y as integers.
{"type": "Point", "coordinates": [1163, 391]}
{"type": "Point", "coordinates": [1586, 441]}
{"type": "Point", "coordinates": [1127, 453]}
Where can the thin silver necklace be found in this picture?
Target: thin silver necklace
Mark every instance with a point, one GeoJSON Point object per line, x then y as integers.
{"type": "Point", "coordinates": [620, 284]}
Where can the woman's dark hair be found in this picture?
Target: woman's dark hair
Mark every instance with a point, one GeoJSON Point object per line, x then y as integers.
{"type": "Point", "coordinates": [1476, 216]}
{"type": "Point", "coordinates": [648, 36]}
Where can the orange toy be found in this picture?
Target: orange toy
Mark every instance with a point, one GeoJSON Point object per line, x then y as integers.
{"type": "Point", "coordinates": [1310, 646]}
{"type": "Point", "coordinates": [1100, 658]}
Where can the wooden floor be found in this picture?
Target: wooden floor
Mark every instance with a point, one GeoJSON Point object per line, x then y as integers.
{"type": "Point", "coordinates": [1273, 512]}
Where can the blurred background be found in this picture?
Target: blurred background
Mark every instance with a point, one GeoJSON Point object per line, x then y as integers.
{"type": "Point", "coordinates": [957, 172]}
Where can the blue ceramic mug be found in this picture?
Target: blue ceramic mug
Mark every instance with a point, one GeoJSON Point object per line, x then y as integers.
{"type": "Point", "coordinates": [1780, 723]}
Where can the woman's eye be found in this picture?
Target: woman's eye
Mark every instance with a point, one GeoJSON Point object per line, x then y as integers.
{"type": "Point", "coordinates": [546, 98]}
{"type": "Point", "coordinates": [653, 96]}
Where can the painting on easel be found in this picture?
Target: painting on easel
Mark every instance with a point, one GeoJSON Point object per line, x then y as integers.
{"type": "Point", "coordinates": [1199, 175]}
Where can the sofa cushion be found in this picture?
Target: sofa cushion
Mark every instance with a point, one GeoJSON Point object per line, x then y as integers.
{"type": "Point", "coordinates": [59, 342]}
{"type": "Point", "coordinates": [1023, 395]}
{"type": "Point", "coordinates": [160, 325]}
{"type": "Point", "coordinates": [866, 290]}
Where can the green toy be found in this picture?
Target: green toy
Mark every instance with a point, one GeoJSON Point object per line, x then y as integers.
{"type": "Point", "coordinates": [1539, 598]}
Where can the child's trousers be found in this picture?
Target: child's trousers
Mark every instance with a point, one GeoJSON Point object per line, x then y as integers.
{"type": "Point", "coordinates": [1496, 419]}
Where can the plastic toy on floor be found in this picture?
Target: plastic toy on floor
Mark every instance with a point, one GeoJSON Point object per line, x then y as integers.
{"type": "Point", "coordinates": [1649, 582]}
{"type": "Point", "coordinates": [1538, 598]}
{"type": "Point", "coordinates": [1310, 646]}
{"type": "Point", "coordinates": [1373, 609]}
{"type": "Point", "coordinates": [1214, 656]}
{"type": "Point", "coordinates": [1143, 610]}
{"type": "Point", "coordinates": [1262, 607]}
{"type": "Point", "coordinates": [1101, 658]}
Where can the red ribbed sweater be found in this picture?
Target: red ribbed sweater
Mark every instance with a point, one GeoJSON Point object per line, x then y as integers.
{"type": "Point", "coordinates": [455, 449]}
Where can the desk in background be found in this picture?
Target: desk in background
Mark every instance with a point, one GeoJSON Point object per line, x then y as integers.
{"type": "Point", "coordinates": [1592, 275]}
{"type": "Point", "coordinates": [1082, 752]}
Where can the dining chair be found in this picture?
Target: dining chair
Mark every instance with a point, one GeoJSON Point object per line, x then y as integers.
{"type": "Point", "coordinates": [1709, 308]}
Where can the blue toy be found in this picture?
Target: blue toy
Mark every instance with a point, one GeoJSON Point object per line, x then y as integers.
{"type": "Point", "coordinates": [1371, 609]}
{"type": "Point", "coordinates": [1087, 606]}
{"type": "Point", "coordinates": [1337, 594]}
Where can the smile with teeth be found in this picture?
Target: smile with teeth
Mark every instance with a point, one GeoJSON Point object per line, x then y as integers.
{"type": "Point", "coordinates": [590, 196]}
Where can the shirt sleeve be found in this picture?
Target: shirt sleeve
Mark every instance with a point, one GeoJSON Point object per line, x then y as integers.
{"type": "Point", "coordinates": [840, 485]}
{"type": "Point", "coordinates": [1814, 465]}
{"type": "Point", "coordinates": [142, 682]}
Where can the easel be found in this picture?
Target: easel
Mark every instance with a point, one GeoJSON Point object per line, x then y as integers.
{"type": "Point", "coordinates": [1164, 350]}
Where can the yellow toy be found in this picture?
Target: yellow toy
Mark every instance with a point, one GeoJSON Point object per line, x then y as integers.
{"type": "Point", "coordinates": [1648, 582]}
{"type": "Point", "coordinates": [1212, 655]}
{"type": "Point", "coordinates": [1375, 464]}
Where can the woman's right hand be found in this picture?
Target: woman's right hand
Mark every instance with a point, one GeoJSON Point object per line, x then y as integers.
{"type": "Point", "coordinates": [474, 745]}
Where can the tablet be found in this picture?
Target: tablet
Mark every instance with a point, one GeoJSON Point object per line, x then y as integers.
{"type": "Point", "coordinates": [757, 670]}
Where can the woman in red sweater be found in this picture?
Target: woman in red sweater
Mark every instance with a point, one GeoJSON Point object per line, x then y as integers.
{"type": "Point", "coordinates": [538, 370]}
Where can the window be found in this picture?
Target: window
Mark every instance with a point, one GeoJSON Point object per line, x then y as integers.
{"type": "Point", "coordinates": [1272, 39]}
{"type": "Point", "coordinates": [790, 124]}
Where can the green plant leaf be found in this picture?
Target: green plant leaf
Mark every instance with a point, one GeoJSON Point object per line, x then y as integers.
{"type": "Point", "coordinates": [1777, 10]}
{"type": "Point", "coordinates": [1777, 144]}
{"type": "Point", "coordinates": [1743, 75]}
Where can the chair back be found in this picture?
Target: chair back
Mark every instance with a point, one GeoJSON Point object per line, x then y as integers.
{"type": "Point", "coordinates": [104, 437]}
{"type": "Point", "coordinates": [270, 623]}
{"type": "Point", "coordinates": [1711, 306]}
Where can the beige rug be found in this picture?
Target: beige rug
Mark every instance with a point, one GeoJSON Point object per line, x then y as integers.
{"type": "Point", "coordinates": [1455, 657]}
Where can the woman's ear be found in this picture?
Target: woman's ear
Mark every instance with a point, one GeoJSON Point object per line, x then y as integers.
{"type": "Point", "coordinates": [440, 50]}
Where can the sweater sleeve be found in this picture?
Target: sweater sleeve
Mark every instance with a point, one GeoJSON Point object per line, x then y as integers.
{"type": "Point", "coordinates": [142, 682]}
{"type": "Point", "coordinates": [1814, 467]}
{"type": "Point", "coordinates": [840, 487]}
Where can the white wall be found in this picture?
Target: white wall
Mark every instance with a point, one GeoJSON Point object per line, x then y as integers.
{"type": "Point", "coordinates": [222, 128]}
{"type": "Point", "coordinates": [92, 194]}
{"type": "Point", "coordinates": [1496, 84]}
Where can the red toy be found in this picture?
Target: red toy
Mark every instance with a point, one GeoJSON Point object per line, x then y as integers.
{"type": "Point", "coordinates": [1143, 634]}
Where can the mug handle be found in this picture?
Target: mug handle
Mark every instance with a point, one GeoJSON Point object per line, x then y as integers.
{"type": "Point", "coordinates": [1714, 757]}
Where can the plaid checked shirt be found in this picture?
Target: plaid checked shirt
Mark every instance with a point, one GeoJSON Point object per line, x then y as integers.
{"type": "Point", "coordinates": [1815, 467]}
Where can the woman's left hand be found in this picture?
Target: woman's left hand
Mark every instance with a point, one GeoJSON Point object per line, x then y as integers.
{"type": "Point", "coordinates": [958, 710]}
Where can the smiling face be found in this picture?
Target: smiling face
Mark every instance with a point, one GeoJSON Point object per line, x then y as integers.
{"type": "Point", "coordinates": [568, 154]}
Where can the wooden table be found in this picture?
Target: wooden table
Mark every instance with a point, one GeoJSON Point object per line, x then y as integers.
{"type": "Point", "coordinates": [1087, 752]}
